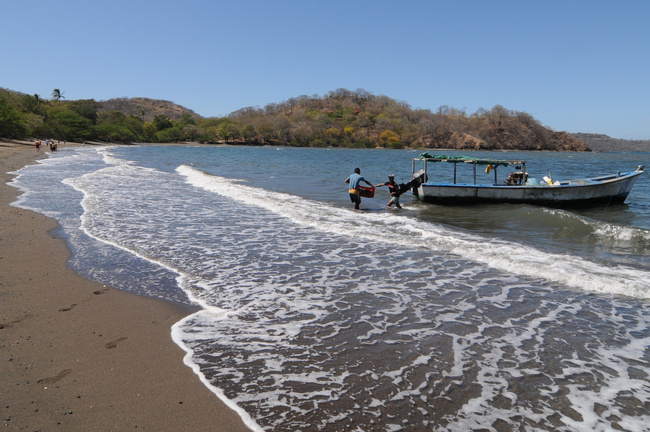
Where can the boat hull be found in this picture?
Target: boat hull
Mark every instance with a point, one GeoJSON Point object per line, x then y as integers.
{"type": "Point", "coordinates": [575, 193]}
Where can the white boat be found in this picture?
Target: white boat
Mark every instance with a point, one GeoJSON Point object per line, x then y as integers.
{"type": "Point", "coordinates": [516, 187]}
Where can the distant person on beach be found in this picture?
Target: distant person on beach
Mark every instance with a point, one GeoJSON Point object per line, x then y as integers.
{"type": "Point", "coordinates": [393, 188]}
{"type": "Point", "coordinates": [38, 146]}
{"type": "Point", "coordinates": [354, 181]}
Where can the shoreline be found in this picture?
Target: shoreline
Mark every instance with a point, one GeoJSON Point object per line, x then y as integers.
{"type": "Point", "coordinates": [78, 355]}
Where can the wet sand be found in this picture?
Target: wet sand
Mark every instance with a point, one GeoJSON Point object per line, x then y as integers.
{"type": "Point", "coordinates": [76, 355]}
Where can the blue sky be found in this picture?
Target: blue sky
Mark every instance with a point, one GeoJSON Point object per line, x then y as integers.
{"type": "Point", "coordinates": [576, 66]}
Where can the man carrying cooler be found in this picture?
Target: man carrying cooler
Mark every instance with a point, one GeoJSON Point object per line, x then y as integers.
{"type": "Point", "coordinates": [354, 181]}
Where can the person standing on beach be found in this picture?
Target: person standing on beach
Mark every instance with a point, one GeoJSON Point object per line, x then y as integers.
{"type": "Point", "coordinates": [393, 188]}
{"type": "Point", "coordinates": [354, 180]}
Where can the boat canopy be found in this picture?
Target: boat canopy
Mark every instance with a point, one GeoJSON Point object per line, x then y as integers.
{"type": "Point", "coordinates": [467, 159]}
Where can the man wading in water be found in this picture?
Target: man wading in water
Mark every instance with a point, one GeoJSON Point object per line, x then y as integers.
{"type": "Point", "coordinates": [393, 188]}
{"type": "Point", "coordinates": [354, 181]}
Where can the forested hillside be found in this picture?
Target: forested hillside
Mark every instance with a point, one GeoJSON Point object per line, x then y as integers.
{"type": "Point", "coordinates": [146, 109]}
{"type": "Point", "coordinates": [359, 118]}
{"type": "Point", "coordinates": [340, 118]}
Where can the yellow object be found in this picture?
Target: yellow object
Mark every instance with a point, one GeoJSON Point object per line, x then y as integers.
{"type": "Point", "coordinates": [489, 168]}
{"type": "Point", "coordinates": [548, 180]}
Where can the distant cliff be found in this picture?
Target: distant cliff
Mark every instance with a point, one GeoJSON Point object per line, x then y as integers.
{"type": "Point", "coordinates": [604, 143]}
{"type": "Point", "coordinates": [511, 138]}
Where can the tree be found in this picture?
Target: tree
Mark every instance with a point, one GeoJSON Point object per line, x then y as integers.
{"type": "Point", "coordinates": [149, 132]}
{"type": "Point", "coordinates": [162, 122]}
{"type": "Point", "coordinates": [57, 95]}
{"type": "Point", "coordinates": [70, 126]}
{"type": "Point", "coordinates": [186, 119]}
{"type": "Point", "coordinates": [11, 120]}
{"type": "Point", "coordinates": [172, 134]}
{"type": "Point", "coordinates": [229, 131]}
{"type": "Point", "coordinates": [115, 133]}
{"type": "Point", "coordinates": [191, 132]}
{"type": "Point", "coordinates": [249, 133]}
{"type": "Point", "coordinates": [390, 139]}
{"type": "Point", "coordinates": [32, 104]}
{"type": "Point", "coordinates": [86, 108]}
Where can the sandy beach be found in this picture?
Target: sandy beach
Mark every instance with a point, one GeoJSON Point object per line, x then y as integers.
{"type": "Point", "coordinates": [81, 356]}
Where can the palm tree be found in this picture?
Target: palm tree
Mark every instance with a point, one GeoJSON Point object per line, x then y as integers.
{"type": "Point", "coordinates": [57, 95]}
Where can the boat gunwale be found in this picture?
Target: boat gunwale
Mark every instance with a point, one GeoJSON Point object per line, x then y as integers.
{"type": "Point", "coordinates": [602, 180]}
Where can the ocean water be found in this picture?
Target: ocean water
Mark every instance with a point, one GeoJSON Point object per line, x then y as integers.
{"type": "Point", "coordinates": [309, 316]}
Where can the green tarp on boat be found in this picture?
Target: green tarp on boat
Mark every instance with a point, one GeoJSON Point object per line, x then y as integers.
{"type": "Point", "coordinates": [466, 159]}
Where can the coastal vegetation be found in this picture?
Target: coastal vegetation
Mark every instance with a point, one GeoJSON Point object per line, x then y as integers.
{"type": "Point", "coordinates": [340, 118]}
